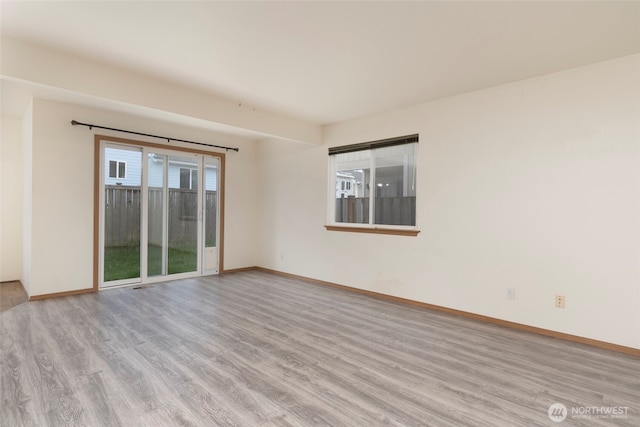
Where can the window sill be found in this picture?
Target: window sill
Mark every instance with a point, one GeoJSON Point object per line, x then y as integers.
{"type": "Point", "coordinates": [373, 230]}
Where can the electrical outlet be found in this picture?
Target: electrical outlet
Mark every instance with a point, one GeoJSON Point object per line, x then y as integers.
{"type": "Point", "coordinates": [559, 301]}
{"type": "Point", "coordinates": [511, 293]}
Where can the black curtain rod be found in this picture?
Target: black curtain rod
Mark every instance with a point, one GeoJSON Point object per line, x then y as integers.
{"type": "Point", "coordinates": [168, 139]}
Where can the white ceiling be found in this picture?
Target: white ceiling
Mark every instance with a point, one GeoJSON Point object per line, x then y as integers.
{"type": "Point", "coordinates": [332, 61]}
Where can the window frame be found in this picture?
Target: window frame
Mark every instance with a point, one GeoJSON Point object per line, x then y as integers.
{"type": "Point", "coordinates": [332, 224]}
{"type": "Point", "coordinates": [118, 164]}
{"type": "Point", "coordinates": [193, 178]}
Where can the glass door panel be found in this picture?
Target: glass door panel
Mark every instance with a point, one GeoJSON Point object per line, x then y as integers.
{"type": "Point", "coordinates": [182, 237]}
{"type": "Point", "coordinates": [122, 179]}
{"type": "Point", "coordinates": [211, 166]}
{"type": "Point", "coordinates": [157, 215]}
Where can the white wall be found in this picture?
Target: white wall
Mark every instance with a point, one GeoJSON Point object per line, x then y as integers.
{"type": "Point", "coordinates": [533, 185]}
{"type": "Point", "coordinates": [61, 249]}
{"type": "Point", "coordinates": [10, 199]}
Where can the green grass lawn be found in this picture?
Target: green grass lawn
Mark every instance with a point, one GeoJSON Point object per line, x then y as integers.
{"type": "Point", "coordinates": [124, 262]}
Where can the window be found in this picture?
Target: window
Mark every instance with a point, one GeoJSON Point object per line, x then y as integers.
{"type": "Point", "coordinates": [375, 183]}
{"type": "Point", "coordinates": [188, 179]}
{"type": "Point", "coordinates": [117, 169]}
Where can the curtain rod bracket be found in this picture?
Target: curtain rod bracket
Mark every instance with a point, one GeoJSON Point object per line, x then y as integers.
{"type": "Point", "coordinates": [91, 126]}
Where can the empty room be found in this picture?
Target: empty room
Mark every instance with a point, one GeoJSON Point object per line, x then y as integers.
{"type": "Point", "coordinates": [320, 213]}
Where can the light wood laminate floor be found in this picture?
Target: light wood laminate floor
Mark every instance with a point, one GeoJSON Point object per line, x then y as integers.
{"type": "Point", "coordinates": [11, 295]}
{"type": "Point", "coordinates": [255, 349]}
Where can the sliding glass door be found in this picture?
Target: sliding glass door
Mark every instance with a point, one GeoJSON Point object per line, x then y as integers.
{"type": "Point", "coordinates": [121, 219]}
{"type": "Point", "coordinates": [174, 200]}
{"type": "Point", "coordinates": [160, 215]}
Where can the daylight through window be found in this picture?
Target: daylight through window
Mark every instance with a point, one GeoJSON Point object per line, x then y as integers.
{"type": "Point", "coordinates": [375, 182]}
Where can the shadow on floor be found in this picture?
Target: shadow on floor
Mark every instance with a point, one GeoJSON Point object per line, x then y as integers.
{"type": "Point", "coordinates": [11, 295]}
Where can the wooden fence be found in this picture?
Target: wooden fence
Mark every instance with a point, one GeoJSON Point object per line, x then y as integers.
{"type": "Point", "coordinates": [388, 210]}
{"type": "Point", "coordinates": [122, 216]}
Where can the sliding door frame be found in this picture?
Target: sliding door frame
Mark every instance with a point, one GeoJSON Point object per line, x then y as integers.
{"type": "Point", "coordinates": [97, 195]}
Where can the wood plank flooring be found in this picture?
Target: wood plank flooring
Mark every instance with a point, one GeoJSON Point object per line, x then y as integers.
{"type": "Point", "coordinates": [255, 349]}
{"type": "Point", "coordinates": [11, 295]}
